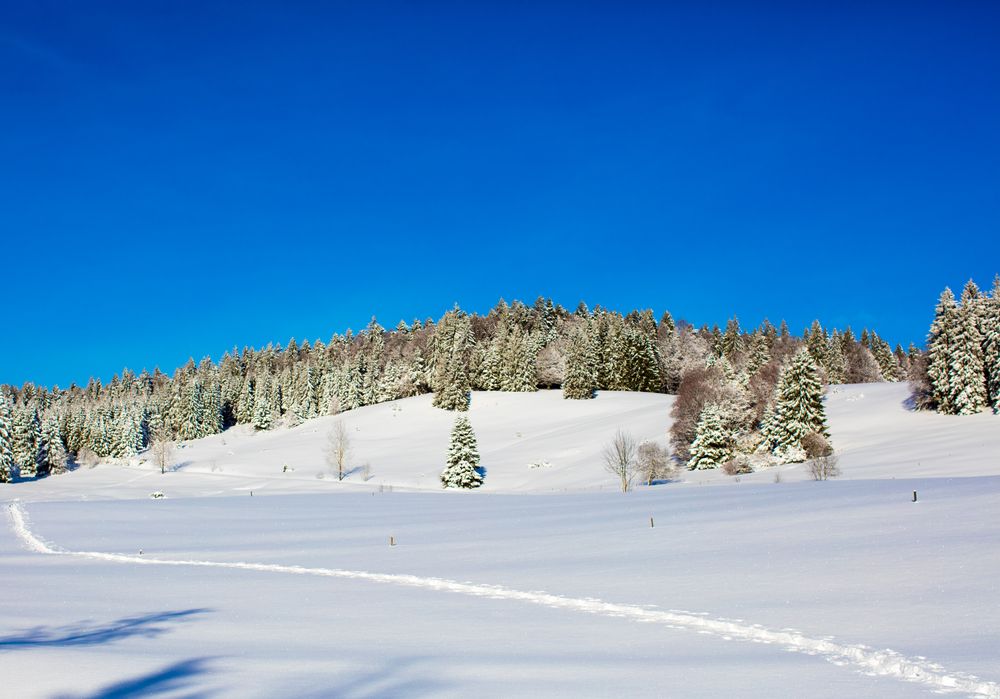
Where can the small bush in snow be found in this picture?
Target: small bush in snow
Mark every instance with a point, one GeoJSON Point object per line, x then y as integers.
{"type": "Point", "coordinates": [620, 461]}
{"type": "Point", "coordinates": [790, 455]}
{"type": "Point", "coordinates": [738, 465]}
{"type": "Point", "coordinates": [654, 462]}
{"type": "Point", "coordinates": [824, 467]}
{"type": "Point", "coordinates": [815, 445]}
{"type": "Point", "coordinates": [86, 457]}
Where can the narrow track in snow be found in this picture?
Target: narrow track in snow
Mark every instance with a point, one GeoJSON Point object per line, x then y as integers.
{"type": "Point", "coordinates": [883, 663]}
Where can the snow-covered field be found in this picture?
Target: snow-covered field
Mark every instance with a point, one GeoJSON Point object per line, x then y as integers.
{"type": "Point", "coordinates": [548, 582]}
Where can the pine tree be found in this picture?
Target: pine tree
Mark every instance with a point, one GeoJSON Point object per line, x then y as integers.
{"type": "Point", "coordinates": [580, 380]}
{"type": "Point", "coordinates": [798, 407]}
{"type": "Point", "coordinates": [968, 378]}
{"type": "Point", "coordinates": [939, 351]}
{"type": "Point", "coordinates": [25, 432]}
{"type": "Point", "coordinates": [731, 339]}
{"type": "Point", "coordinates": [818, 344]}
{"type": "Point", "coordinates": [462, 469]}
{"type": "Point", "coordinates": [518, 362]}
{"type": "Point", "coordinates": [991, 345]}
{"type": "Point", "coordinates": [54, 448]}
{"type": "Point", "coordinates": [836, 362]}
{"type": "Point", "coordinates": [887, 363]}
{"type": "Point", "coordinates": [262, 411]}
{"type": "Point", "coordinates": [453, 342]}
{"type": "Point", "coordinates": [8, 468]}
{"type": "Point", "coordinates": [712, 445]}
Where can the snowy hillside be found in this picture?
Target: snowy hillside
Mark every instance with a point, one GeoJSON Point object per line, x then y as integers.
{"type": "Point", "coordinates": [548, 582]}
{"type": "Point", "coordinates": [531, 442]}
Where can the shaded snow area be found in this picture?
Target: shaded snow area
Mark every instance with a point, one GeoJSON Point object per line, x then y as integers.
{"type": "Point", "coordinates": [547, 582]}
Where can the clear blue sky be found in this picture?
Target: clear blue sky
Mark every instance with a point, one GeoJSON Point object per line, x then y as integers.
{"type": "Point", "coordinates": [179, 178]}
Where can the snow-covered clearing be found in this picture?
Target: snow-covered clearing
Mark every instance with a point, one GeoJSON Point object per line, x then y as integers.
{"type": "Point", "coordinates": [299, 594]}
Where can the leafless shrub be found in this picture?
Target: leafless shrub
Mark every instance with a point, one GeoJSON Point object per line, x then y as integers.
{"type": "Point", "coordinates": [620, 461]}
{"type": "Point", "coordinates": [366, 471]}
{"type": "Point", "coordinates": [86, 457]}
{"type": "Point", "coordinates": [162, 451]}
{"type": "Point", "coordinates": [338, 446]}
{"type": "Point", "coordinates": [861, 366]}
{"type": "Point", "coordinates": [824, 467]}
{"type": "Point", "coordinates": [654, 462]}
{"type": "Point", "coordinates": [816, 445]}
{"type": "Point", "coordinates": [738, 465]}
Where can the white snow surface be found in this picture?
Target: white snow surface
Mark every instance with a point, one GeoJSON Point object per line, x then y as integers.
{"type": "Point", "coordinates": [546, 582]}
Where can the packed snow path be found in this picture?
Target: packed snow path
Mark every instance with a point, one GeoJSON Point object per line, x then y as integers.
{"type": "Point", "coordinates": [886, 663]}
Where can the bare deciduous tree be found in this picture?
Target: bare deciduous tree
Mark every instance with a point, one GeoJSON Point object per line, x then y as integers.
{"type": "Point", "coordinates": [620, 461]}
{"type": "Point", "coordinates": [653, 462]}
{"type": "Point", "coordinates": [824, 467]}
{"type": "Point", "coordinates": [163, 453]}
{"type": "Point", "coordinates": [338, 446]}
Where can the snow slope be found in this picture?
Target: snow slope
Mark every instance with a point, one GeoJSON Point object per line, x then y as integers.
{"type": "Point", "coordinates": [566, 592]}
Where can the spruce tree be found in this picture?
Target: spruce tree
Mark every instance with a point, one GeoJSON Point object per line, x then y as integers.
{"type": "Point", "coordinates": [732, 340]}
{"type": "Point", "coordinates": [818, 344]}
{"type": "Point", "coordinates": [452, 345]}
{"type": "Point", "coordinates": [798, 406]}
{"type": "Point", "coordinates": [939, 351]}
{"type": "Point", "coordinates": [518, 362]}
{"type": "Point", "coordinates": [580, 380]}
{"type": "Point", "coordinates": [262, 412]}
{"type": "Point", "coordinates": [24, 435]}
{"type": "Point", "coordinates": [54, 448]}
{"type": "Point", "coordinates": [712, 446]}
{"type": "Point", "coordinates": [462, 469]}
{"type": "Point", "coordinates": [968, 378]}
{"type": "Point", "coordinates": [991, 345]}
{"type": "Point", "coordinates": [8, 469]}
{"type": "Point", "coordinates": [887, 363]}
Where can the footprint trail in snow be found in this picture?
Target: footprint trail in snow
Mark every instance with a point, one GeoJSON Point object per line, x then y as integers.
{"type": "Point", "coordinates": [884, 663]}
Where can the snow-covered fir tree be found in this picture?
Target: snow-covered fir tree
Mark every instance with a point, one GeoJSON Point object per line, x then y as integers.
{"type": "Point", "coordinates": [8, 468]}
{"type": "Point", "coordinates": [712, 445]}
{"type": "Point", "coordinates": [263, 415]}
{"type": "Point", "coordinates": [462, 468]}
{"type": "Point", "coordinates": [453, 342]}
{"type": "Point", "coordinates": [939, 351]}
{"type": "Point", "coordinates": [518, 362]}
{"type": "Point", "coordinates": [887, 363]}
{"type": "Point", "coordinates": [580, 380]}
{"type": "Point", "coordinates": [26, 431]}
{"type": "Point", "coordinates": [991, 345]}
{"type": "Point", "coordinates": [55, 450]}
{"type": "Point", "coordinates": [967, 373]}
{"type": "Point", "coordinates": [798, 406]}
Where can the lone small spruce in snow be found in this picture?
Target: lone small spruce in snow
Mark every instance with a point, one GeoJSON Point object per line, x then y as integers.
{"type": "Point", "coordinates": [462, 470]}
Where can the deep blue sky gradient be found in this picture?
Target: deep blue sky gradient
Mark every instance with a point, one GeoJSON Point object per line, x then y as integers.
{"type": "Point", "coordinates": [181, 178]}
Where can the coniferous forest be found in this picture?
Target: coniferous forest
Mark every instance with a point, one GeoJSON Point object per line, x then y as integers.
{"type": "Point", "coordinates": [741, 393]}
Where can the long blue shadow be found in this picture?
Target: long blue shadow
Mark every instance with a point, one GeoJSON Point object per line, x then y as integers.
{"type": "Point", "coordinates": [89, 634]}
{"type": "Point", "coordinates": [171, 679]}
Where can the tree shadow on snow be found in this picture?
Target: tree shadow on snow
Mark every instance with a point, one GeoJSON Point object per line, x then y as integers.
{"type": "Point", "coordinates": [170, 679]}
{"type": "Point", "coordinates": [87, 633]}
{"type": "Point", "coordinates": [409, 677]}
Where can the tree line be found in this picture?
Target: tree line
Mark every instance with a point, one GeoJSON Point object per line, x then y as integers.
{"type": "Point", "coordinates": [514, 347]}
{"type": "Point", "coordinates": [960, 373]}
